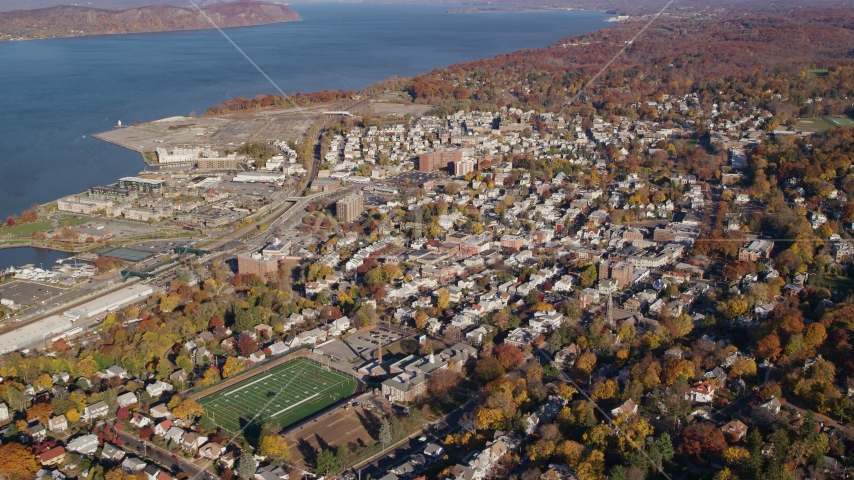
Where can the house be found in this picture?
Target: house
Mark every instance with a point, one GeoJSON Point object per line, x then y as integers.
{"type": "Point", "coordinates": [734, 430]}
{"type": "Point", "coordinates": [151, 471]}
{"type": "Point", "coordinates": [37, 432]}
{"type": "Point", "coordinates": [191, 441]}
{"type": "Point", "coordinates": [228, 459]}
{"type": "Point", "coordinates": [263, 330]}
{"type": "Point", "coordinates": [278, 348]}
{"type": "Point", "coordinates": [433, 452]}
{"type": "Point", "coordinates": [50, 474]}
{"type": "Point", "coordinates": [4, 412]}
{"type": "Point", "coordinates": [112, 453]}
{"type": "Point", "coordinates": [545, 414]}
{"type": "Point", "coordinates": [84, 445]}
{"type": "Point", "coordinates": [174, 435]}
{"type": "Point", "coordinates": [702, 411]}
{"type": "Point", "coordinates": [476, 336]}
{"type": "Point", "coordinates": [773, 405]}
{"type": "Point", "coordinates": [629, 407]}
{"type": "Point", "coordinates": [830, 464]}
{"type": "Point", "coordinates": [520, 337]}
{"type": "Point", "coordinates": [211, 450]}
{"type": "Point", "coordinates": [271, 472]}
{"type": "Point", "coordinates": [159, 411]}
{"type": "Point", "coordinates": [126, 399]}
{"type": "Point", "coordinates": [161, 428]}
{"type": "Point", "coordinates": [701, 392]}
{"type": "Point", "coordinates": [292, 341]}
{"type": "Point", "coordinates": [117, 371]}
{"type": "Point", "coordinates": [178, 376]}
{"type": "Point", "coordinates": [256, 357]}
{"type": "Point", "coordinates": [157, 388]}
{"type": "Point", "coordinates": [53, 456]}
{"type": "Point", "coordinates": [133, 465]}
{"type": "Point", "coordinates": [567, 354]}
{"type": "Point", "coordinates": [140, 421]}
{"type": "Point", "coordinates": [57, 424]}
{"type": "Point", "coordinates": [100, 409]}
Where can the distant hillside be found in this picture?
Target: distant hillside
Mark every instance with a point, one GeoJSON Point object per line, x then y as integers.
{"type": "Point", "coordinates": [68, 20]}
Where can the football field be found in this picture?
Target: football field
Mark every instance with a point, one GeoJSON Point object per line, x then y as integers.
{"type": "Point", "coordinates": [282, 395]}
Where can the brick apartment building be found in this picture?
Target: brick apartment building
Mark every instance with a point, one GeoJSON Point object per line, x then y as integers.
{"type": "Point", "coordinates": [256, 264]}
{"type": "Point", "coordinates": [622, 272]}
{"type": "Point", "coordinates": [350, 208]}
{"type": "Point", "coordinates": [442, 159]}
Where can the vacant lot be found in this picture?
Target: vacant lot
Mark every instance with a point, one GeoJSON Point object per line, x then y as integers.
{"type": "Point", "coordinates": [337, 429]}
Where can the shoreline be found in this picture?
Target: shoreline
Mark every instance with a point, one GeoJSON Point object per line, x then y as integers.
{"type": "Point", "coordinates": [141, 32]}
{"type": "Point", "coordinates": [142, 152]}
{"type": "Point", "coordinates": [511, 9]}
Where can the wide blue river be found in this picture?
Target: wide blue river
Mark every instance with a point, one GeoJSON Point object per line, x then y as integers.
{"type": "Point", "coordinates": [54, 94]}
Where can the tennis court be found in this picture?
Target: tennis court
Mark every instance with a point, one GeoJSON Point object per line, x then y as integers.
{"type": "Point", "coordinates": [282, 395]}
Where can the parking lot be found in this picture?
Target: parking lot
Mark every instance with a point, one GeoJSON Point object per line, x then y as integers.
{"type": "Point", "coordinates": [28, 293]}
{"type": "Point", "coordinates": [361, 344]}
{"type": "Point", "coordinates": [364, 343]}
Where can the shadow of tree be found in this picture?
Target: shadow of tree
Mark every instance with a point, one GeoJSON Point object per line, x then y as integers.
{"type": "Point", "coordinates": [371, 423]}
{"type": "Point", "coordinates": [323, 444]}
{"type": "Point", "coordinates": [251, 431]}
{"type": "Point", "coordinates": [308, 451]}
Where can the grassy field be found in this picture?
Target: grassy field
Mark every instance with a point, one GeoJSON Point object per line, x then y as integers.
{"type": "Point", "coordinates": [282, 395]}
{"type": "Point", "coordinates": [818, 72]}
{"type": "Point", "coordinates": [839, 283]}
{"type": "Point", "coordinates": [823, 124]}
{"type": "Point", "coordinates": [37, 226]}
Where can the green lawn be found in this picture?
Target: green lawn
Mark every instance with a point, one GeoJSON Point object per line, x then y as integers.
{"type": "Point", "coordinates": [282, 395]}
{"type": "Point", "coordinates": [27, 228]}
{"type": "Point", "coordinates": [42, 224]}
{"type": "Point", "coordinates": [838, 283]}
{"type": "Point", "coordinates": [823, 124]}
{"type": "Point", "coordinates": [818, 72]}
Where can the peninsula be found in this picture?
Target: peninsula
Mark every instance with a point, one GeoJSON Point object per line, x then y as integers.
{"type": "Point", "coordinates": [70, 20]}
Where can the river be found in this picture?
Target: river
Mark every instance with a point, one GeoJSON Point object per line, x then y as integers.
{"type": "Point", "coordinates": [54, 94]}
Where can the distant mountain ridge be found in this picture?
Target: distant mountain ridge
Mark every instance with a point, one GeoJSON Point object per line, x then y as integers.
{"type": "Point", "coordinates": [70, 20]}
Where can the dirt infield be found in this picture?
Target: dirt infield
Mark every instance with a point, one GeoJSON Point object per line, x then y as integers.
{"type": "Point", "coordinates": [335, 429]}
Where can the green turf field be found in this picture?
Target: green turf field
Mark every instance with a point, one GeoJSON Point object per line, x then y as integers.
{"type": "Point", "coordinates": [282, 395]}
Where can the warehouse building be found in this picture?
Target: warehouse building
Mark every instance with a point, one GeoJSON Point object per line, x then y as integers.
{"type": "Point", "coordinates": [44, 330]}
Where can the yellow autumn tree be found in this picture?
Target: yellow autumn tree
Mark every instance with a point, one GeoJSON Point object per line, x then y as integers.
{"type": "Point", "coordinates": [187, 410]}
{"type": "Point", "coordinates": [275, 446]}
{"type": "Point", "coordinates": [489, 419]}
{"type": "Point", "coordinates": [735, 454]}
{"type": "Point", "coordinates": [232, 367]}
{"type": "Point", "coordinates": [72, 415]}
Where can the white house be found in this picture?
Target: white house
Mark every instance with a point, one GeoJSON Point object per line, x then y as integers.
{"type": "Point", "coordinates": [702, 392]}
{"type": "Point", "coordinates": [100, 409]}
{"type": "Point", "coordinates": [57, 424]}
{"type": "Point", "coordinates": [126, 399]}
{"type": "Point", "coordinates": [157, 388]}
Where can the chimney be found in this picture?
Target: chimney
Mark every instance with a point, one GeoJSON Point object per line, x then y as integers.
{"type": "Point", "coordinates": [432, 359]}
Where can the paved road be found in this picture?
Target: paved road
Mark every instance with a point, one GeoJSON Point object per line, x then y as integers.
{"type": "Point", "coordinates": [164, 457]}
{"type": "Point", "coordinates": [410, 446]}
